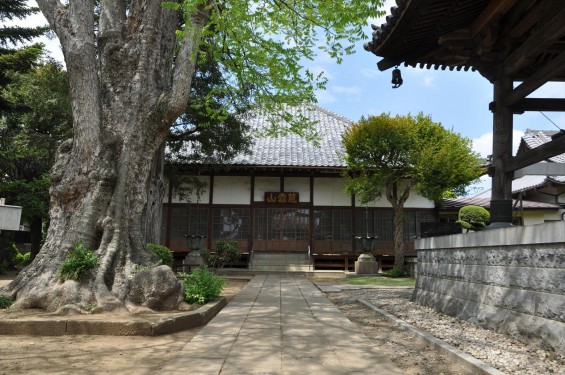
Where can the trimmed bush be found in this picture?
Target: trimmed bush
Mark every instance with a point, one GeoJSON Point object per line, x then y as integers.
{"type": "Point", "coordinates": [164, 253]}
{"type": "Point", "coordinates": [77, 264]}
{"type": "Point", "coordinates": [395, 272]}
{"type": "Point", "coordinates": [226, 252]}
{"type": "Point", "coordinates": [202, 286]}
{"type": "Point", "coordinates": [473, 218]}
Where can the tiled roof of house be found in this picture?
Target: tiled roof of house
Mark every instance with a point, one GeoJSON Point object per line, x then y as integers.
{"type": "Point", "coordinates": [527, 183]}
{"type": "Point", "coordinates": [534, 138]}
{"type": "Point", "coordinates": [292, 150]}
{"type": "Point", "coordinates": [457, 203]}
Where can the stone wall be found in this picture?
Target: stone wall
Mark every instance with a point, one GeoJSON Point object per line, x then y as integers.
{"type": "Point", "coordinates": [510, 280]}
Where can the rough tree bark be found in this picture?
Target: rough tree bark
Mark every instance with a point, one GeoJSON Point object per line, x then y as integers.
{"type": "Point", "coordinates": [397, 196]}
{"type": "Point", "coordinates": [129, 81]}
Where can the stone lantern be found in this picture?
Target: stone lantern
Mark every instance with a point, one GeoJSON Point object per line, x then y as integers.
{"type": "Point", "coordinates": [366, 264]}
{"type": "Point", "coordinates": [193, 258]}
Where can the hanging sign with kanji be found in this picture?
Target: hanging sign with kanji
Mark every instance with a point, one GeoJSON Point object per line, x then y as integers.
{"type": "Point", "coordinates": [283, 197]}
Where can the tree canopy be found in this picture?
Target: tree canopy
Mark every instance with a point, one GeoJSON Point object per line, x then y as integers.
{"type": "Point", "coordinates": [396, 155]}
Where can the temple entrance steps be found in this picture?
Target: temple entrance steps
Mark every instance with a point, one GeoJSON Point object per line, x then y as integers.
{"type": "Point", "coordinates": [280, 262]}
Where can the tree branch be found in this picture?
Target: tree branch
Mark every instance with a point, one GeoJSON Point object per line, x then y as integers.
{"type": "Point", "coordinates": [112, 15]}
{"type": "Point", "coordinates": [75, 28]}
{"type": "Point", "coordinates": [185, 63]}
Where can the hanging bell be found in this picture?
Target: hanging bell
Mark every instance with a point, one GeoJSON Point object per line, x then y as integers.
{"type": "Point", "coordinates": [396, 78]}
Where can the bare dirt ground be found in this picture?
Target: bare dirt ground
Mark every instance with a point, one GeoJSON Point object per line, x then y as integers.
{"type": "Point", "coordinates": [82, 354]}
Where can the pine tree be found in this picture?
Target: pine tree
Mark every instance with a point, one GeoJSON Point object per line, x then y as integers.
{"type": "Point", "coordinates": [12, 58]}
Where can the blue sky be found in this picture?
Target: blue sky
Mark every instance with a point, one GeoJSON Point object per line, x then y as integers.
{"type": "Point", "coordinates": [457, 99]}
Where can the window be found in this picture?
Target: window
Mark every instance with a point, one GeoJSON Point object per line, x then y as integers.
{"type": "Point", "coordinates": [231, 223]}
{"type": "Point", "coordinates": [282, 224]}
{"type": "Point", "coordinates": [332, 225]}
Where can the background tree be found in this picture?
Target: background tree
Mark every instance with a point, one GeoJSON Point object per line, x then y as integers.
{"type": "Point", "coordinates": [130, 77]}
{"type": "Point", "coordinates": [13, 58]}
{"type": "Point", "coordinates": [30, 133]}
{"type": "Point", "coordinates": [396, 155]}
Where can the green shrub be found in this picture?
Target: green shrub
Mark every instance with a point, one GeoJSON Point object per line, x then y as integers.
{"type": "Point", "coordinates": [473, 218]}
{"type": "Point", "coordinates": [164, 253]}
{"type": "Point", "coordinates": [202, 286]}
{"type": "Point", "coordinates": [5, 301]}
{"type": "Point", "coordinates": [226, 252]}
{"type": "Point", "coordinates": [77, 264]}
{"type": "Point", "coordinates": [395, 272]}
{"type": "Point", "coordinates": [20, 260]}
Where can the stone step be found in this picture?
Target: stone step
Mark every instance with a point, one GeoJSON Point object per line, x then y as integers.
{"type": "Point", "coordinates": [282, 268]}
{"type": "Point", "coordinates": [280, 262]}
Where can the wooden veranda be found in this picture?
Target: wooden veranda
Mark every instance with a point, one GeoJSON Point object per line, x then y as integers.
{"type": "Point", "coordinates": [517, 45]}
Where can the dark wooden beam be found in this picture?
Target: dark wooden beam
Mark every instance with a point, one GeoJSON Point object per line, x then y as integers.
{"type": "Point", "coordinates": [535, 155]}
{"type": "Point", "coordinates": [539, 78]}
{"type": "Point", "coordinates": [387, 63]}
{"type": "Point", "coordinates": [538, 42]}
{"type": "Point", "coordinates": [492, 10]}
{"type": "Point", "coordinates": [539, 104]}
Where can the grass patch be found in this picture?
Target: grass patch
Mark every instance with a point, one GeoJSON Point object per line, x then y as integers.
{"type": "Point", "coordinates": [381, 281]}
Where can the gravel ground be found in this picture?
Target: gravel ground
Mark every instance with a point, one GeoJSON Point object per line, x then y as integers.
{"type": "Point", "coordinates": [500, 351]}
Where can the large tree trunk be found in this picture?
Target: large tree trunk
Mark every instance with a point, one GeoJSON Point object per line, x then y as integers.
{"type": "Point", "coordinates": [153, 211]}
{"type": "Point", "coordinates": [129, 81]}
{"type": "Point", "coordinates": [397, 193]}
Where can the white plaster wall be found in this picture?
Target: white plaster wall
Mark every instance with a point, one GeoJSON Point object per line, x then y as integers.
{"type": "Point", "coordinates": [204, 197]}
{"type": "Point", "coordinates": [300, 185]}
{"type": "Point", "coordinates": [413, 201]}
{"type": "Point", "coordinates": [330, 192]}
{"type": "Point", "coordinates": [232, 190]}
{"type": "Point", "coordinates": [539, 217]}
{"type": "Point", "coordinates": [264, 184]}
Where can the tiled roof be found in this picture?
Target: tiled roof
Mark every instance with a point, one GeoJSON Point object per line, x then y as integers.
{"type": "Point", "coordinates": [526, 183]}
{"type": "Point", "coordinates": [457, 203]}
{"type": "Point", "coordinates": [292, 150]}
{"type": "Point", "coordinates": [470, 34]}
{"type": "Point", "coordinates": [534, 138]}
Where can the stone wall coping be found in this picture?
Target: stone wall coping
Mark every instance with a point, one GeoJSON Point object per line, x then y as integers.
{"type": "Point", "coordinates": [553, 232]}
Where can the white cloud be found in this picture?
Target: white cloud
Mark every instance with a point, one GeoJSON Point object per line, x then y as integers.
{"type": "Point", "coordinates": [429, 81]}
{"type": "Point", "coordinates": [483, 144]}
{"type": "Point", "coordinates": [347, 90]}
{"type": "Point", "coordinates": [325, 97]}
{"type": "Point", "coordinates": [370, 73]}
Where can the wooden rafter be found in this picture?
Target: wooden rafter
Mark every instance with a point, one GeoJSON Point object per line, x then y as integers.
{"type": "Point", "coordinates": [536, 80]}
{"type": "Point", "coordinates": [495, 8]}
{"type": "Point", "coordinates": [538, 42]}
{"type": "Point", "coordinates": [535, 155]}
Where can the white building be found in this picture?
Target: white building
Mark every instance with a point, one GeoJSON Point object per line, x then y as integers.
{"type": "Point", "coordinates": [288, 196]}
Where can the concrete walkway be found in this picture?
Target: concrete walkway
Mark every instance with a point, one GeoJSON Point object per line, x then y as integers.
{"type": "Point", "coordinates": [280, 324]}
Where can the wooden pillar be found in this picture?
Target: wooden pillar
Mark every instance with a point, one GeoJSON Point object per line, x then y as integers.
{"type": "Point", "coordinates": [501, 198]}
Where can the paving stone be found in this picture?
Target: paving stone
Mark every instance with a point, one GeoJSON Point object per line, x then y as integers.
{"type": "Point", "coordinates": [280, 325]}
